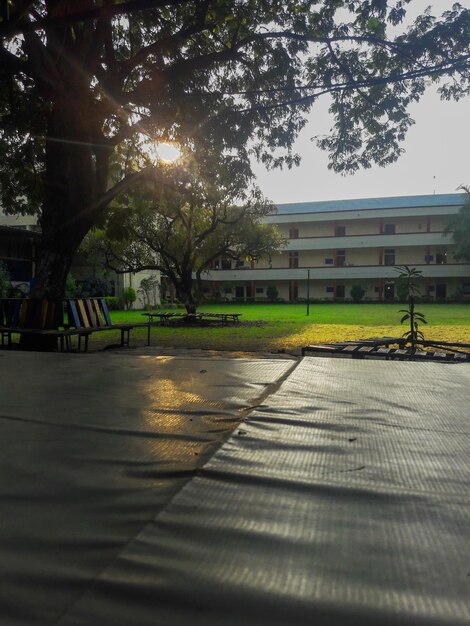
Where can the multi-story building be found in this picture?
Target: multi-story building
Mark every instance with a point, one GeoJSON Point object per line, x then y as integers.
{"type": "Point", "coordinates": [337, 244]}
{"type": "Point", "coordinates": [19, 236]}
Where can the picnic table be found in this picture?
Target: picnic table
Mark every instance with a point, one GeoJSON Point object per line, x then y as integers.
{"type": "Point", "coordinates": [164, 318]}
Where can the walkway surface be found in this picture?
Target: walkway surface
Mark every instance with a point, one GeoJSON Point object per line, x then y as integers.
{"type": "Point", "coordinates": [132, 494]}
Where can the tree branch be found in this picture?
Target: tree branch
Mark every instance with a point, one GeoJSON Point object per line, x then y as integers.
{"type": "Point", "coordinates": [8, 29]}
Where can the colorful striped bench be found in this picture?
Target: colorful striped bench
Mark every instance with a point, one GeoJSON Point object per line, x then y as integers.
{"type": "Point", "coordinates": [88, 315]}
{"type": "Point", "coordinates": [58, 320]}
{"type": "Point", "coordinates": [35, 317]}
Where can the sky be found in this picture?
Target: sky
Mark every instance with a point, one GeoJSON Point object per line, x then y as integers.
{"type": "Point", "coordinates": [436, 158]}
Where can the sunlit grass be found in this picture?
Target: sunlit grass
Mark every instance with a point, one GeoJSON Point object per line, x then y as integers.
{"type": "Point", "coordinates": [286, 327]}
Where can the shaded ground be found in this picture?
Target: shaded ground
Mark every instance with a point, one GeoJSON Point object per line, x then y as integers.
{"type": "Point", "coordinates": [132, 494]}
{"type": "Point", "coordinates": [92, 446]}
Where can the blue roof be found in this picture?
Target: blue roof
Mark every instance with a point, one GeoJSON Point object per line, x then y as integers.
{"type": "Point", "coordinates": [401, 202]}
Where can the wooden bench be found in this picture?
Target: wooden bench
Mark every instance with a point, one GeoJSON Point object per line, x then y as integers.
{"type": "Point", "coordinates": [165, 318]}
{"type": "Point", "coordinates": [375, 348]}
{"type": "Point", "coordinates": [40, 317]}
{"type": "Point", "coordinates": [89, 315]}
{"type": "Point", "coordinates": [36, 317]}
{"type": "Point", "coordinates": [222, 317]}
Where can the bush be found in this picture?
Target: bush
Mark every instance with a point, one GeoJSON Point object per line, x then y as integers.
{"type": "Point", "coordinates": [129, 296]}
{"type": "Point", "coordinates": [93, 287]}
{"type": "Point", "coordinates": [272, 293]}
{"type": "Point", "coordinates": [357, 293]}
{"type": "Point", "coordinates": [112, 302]}
{"type": "Point", "coordinates": [5, 283]}
{"type": "Point", "coordinates": [71, 288]}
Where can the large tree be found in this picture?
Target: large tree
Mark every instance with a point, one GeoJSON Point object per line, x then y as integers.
{"type": "Point", "coordinates": [189, 215]}
{"type": "Point", "coordinates": [459, 227]}
{"type": "Point", "coordinates": [82, 79]}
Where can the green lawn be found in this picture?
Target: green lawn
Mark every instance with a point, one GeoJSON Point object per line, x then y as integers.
{"type": "Point", "coordinates": [286, 327]}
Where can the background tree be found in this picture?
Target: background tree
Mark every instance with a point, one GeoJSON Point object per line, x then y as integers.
{"type": "Point", "coordinates": [188, 217]}
{"type": "Point", "coordinates": [459, 227]}
{"type": "Point", "coordinates": [149, 290]}
{"type": "Point", "coordinates": [81, 82]}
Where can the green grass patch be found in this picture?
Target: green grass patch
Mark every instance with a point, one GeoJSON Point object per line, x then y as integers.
{"type": "Point", "coordinates": [370, 314]}
{"type": "Point", "coordinates": [286, 327]}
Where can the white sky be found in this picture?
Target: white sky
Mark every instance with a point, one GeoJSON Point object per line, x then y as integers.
{"type": "Point", "coordinates": [436, 158]}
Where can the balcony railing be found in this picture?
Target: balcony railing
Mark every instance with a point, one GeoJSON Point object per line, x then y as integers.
{"type": "Point", "coordinates": [448, 270]}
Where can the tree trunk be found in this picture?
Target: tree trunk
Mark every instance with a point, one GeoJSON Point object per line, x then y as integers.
{"type": "Point", "coordinates": [70, 189]}
{"type": "Point", "coordinates": [185, 292]}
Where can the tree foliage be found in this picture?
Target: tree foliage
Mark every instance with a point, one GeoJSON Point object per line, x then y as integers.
{"type": "Point", "coordinates": [459, 227]}
{"type": "Point", "coordinates": [81, 82]}
{"type": "Point", "coordinates": [184, 219]}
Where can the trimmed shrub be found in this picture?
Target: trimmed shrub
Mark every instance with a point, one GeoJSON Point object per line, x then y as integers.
{"type": "Point", "coordinates": [129, 296]}
{"type": "Point", "coordinates": [272, 293]}
{"type": "Point", "coordinates": [112, 302]}
{"type": "Point", "coordinates": [357, 293]}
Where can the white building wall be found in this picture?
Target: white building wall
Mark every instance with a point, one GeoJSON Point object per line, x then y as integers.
{"type": "Point", "coordinates": [134, 280]}
{"type": "Point", "coordinates": [418, 241]}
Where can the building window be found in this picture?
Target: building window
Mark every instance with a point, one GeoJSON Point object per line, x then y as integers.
{"type": "Point", "coordinates": [226, 264]}
{"type": "Point", "coordinates": [340, 258]}
{"type": "Point", "coordinates": [340, 231]}
{"type": "Point", "coordinates": [293, 233]}
{"type": "Point", "coordinates": [389, 256]}
{"type": "Point", "coordinates": [239, 263]}
{"type": "Point", "coordinates": [293, 260]}
{"type": "Point", "coordinates": [328, 261]}
{"type": "Point", "coordinates": [330, 290]}
{"type": "Point", "coordinates": [441, 256]}
{"type": "Point", "coordinates": [340, 291]}
{"type": "Point", "coordinates": [389, 229]}
{"type": "Point", "coordinates": [259, 289]}
{"type": "Point", "coordinates": [228, 290]}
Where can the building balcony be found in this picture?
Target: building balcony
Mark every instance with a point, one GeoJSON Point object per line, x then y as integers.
{"type": "Point", "coordinates": [370, 241]}
{"type": "Point", "coordinates": [450, 270]}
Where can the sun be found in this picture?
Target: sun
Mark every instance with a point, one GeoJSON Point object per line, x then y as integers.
{"type": "Point", "coordinates": [163, 152]}
{"type": "Point", "coordinates": [168, 153]}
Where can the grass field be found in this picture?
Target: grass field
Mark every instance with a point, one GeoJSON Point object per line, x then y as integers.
{"type": "Point", "coordinates": [286, 327]}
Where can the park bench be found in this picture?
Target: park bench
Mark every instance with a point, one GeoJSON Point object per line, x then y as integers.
{"type": "Point", "coordinates": [89, 315]}
{"type": "Point", "coordinates": [221, 317]}
{"type": "Point", "coordinates": [36, 317]}
{"type": "Point", "coordinates": [41, 317]}
{"type": "Point", "coordinates": [165, 318]}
